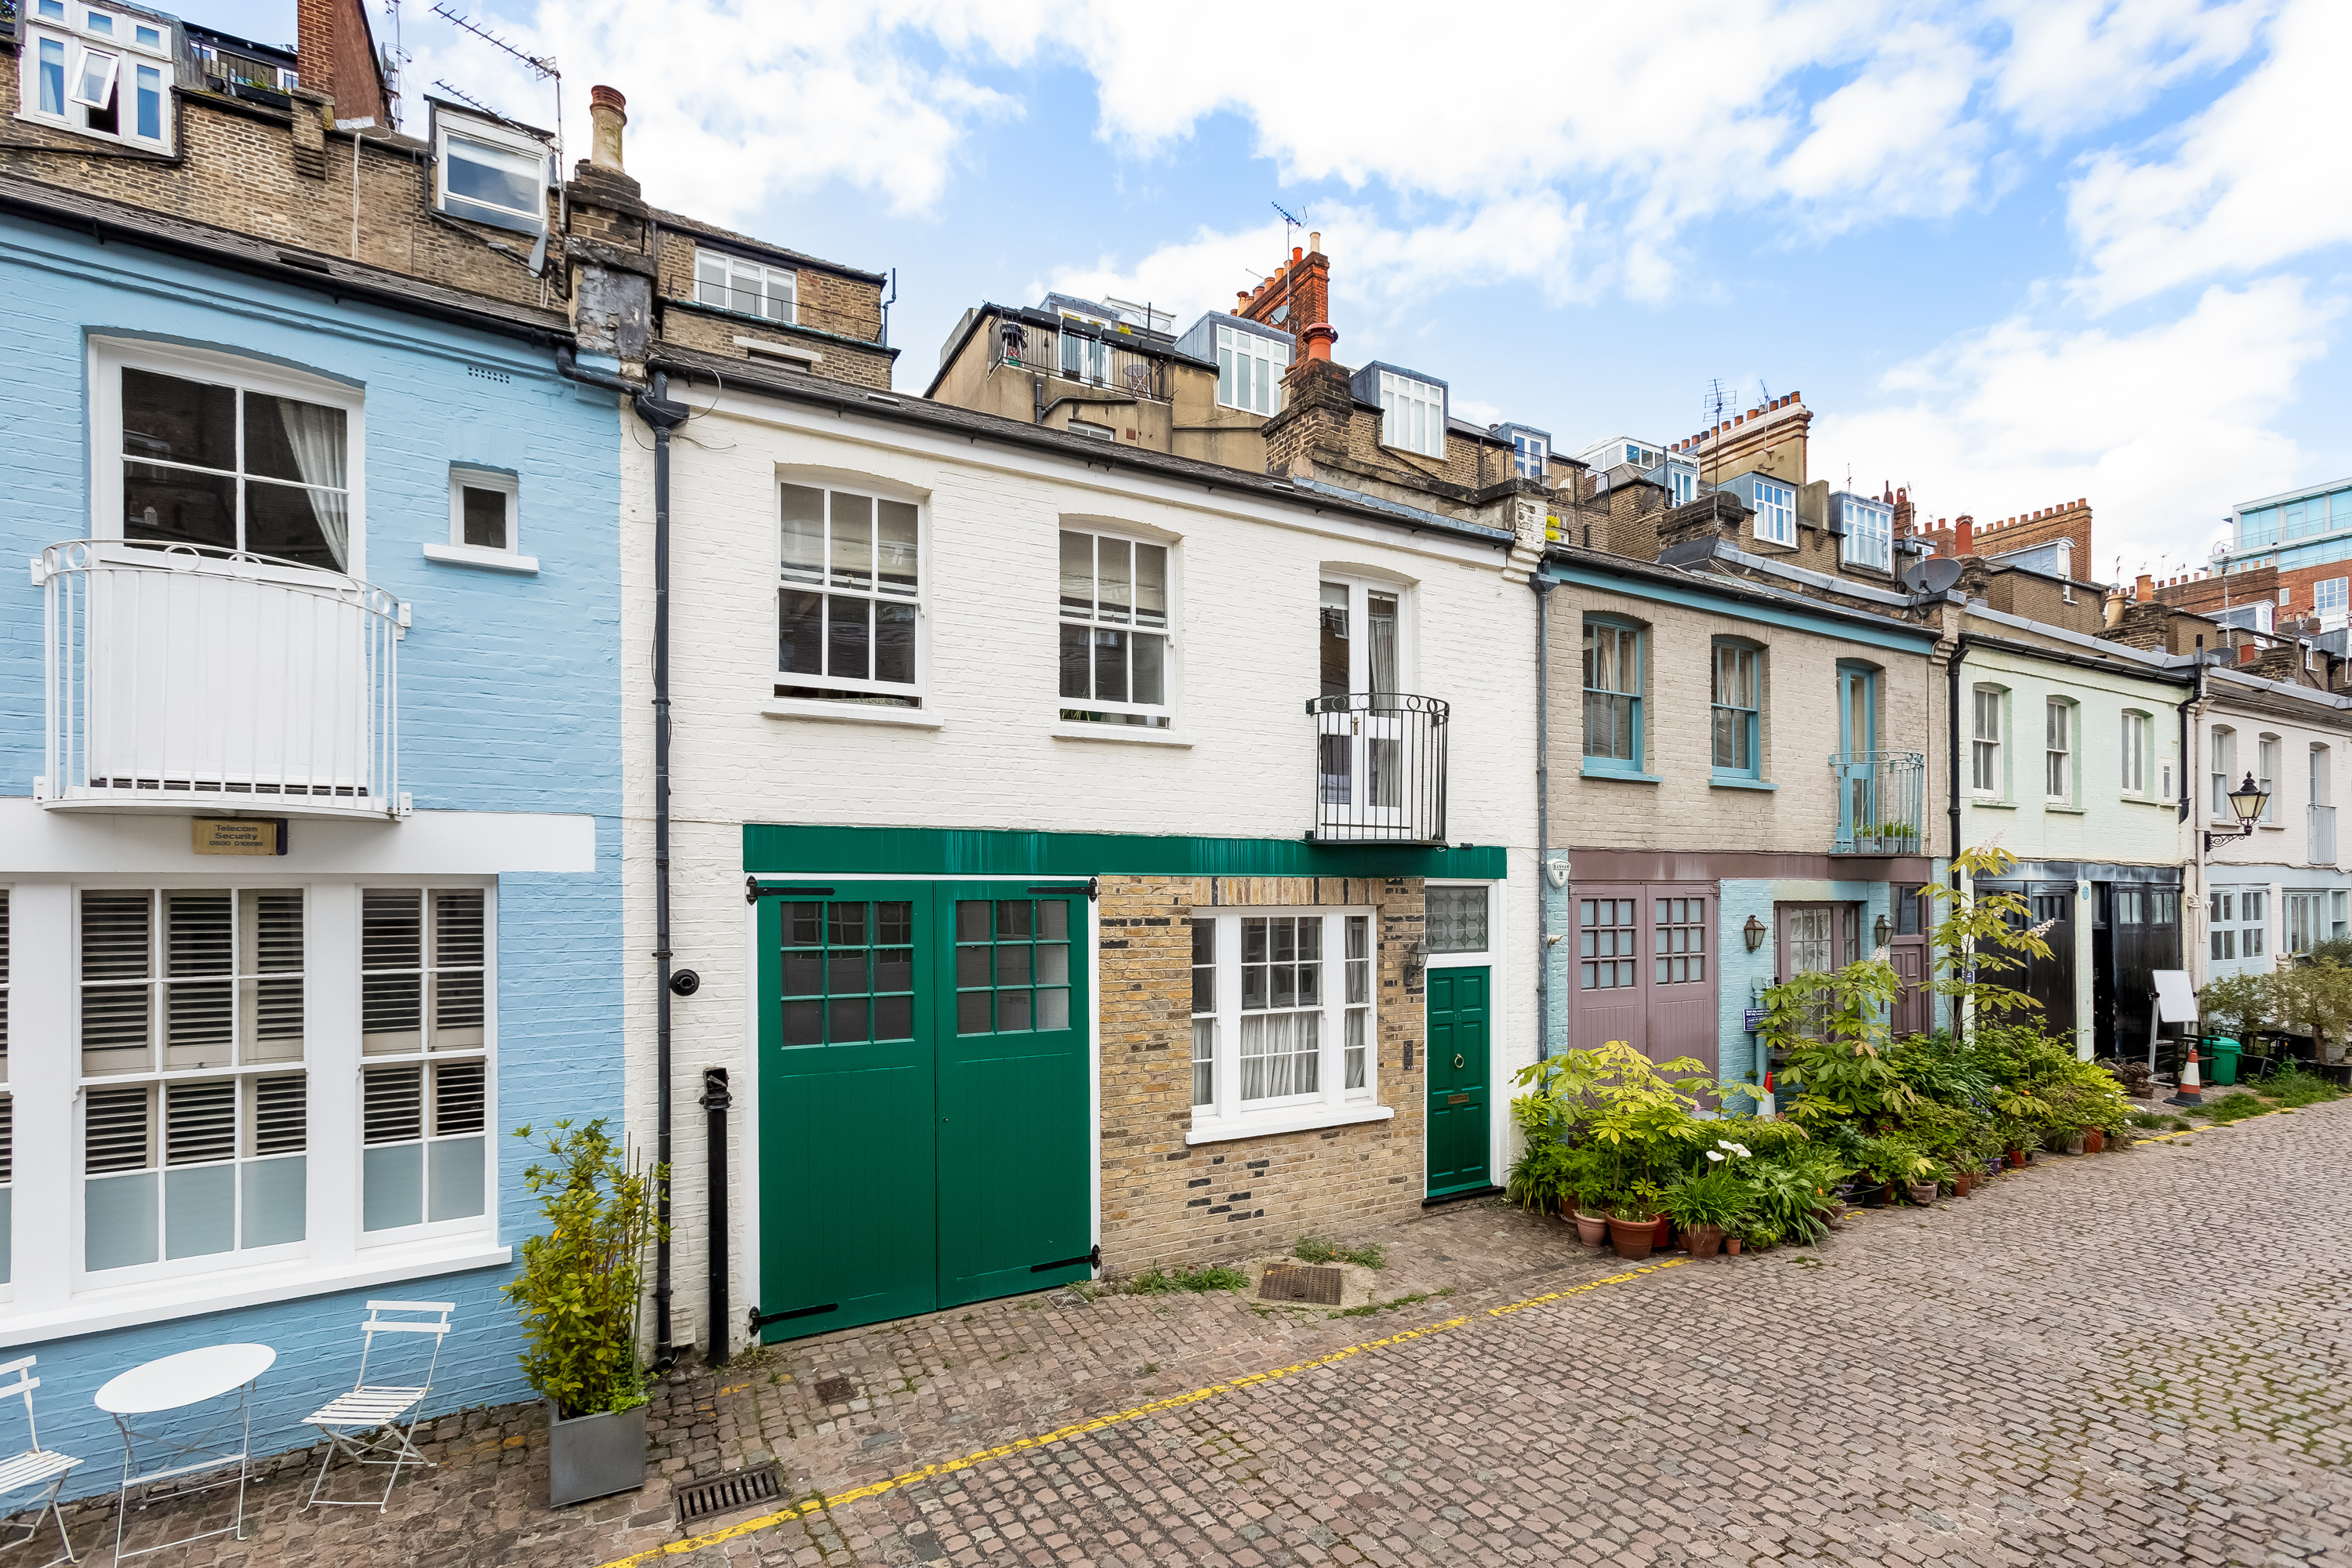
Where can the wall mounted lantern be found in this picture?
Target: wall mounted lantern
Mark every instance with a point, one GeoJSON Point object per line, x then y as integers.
{"type": "Point", "coordinates": [2246, 802]}
{"type": "Point", "coordinates": [1754, 931]}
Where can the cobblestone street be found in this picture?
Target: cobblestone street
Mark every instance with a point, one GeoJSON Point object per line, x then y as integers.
{"type": "Point", "coordinates": [2135, 1357]}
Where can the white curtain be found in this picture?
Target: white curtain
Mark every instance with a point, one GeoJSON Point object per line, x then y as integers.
{"type": "Point", "coordinates": [316, 435]}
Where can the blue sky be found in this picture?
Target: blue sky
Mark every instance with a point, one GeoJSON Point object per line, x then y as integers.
{"type": "Point", "coordinates": [2010, 252]}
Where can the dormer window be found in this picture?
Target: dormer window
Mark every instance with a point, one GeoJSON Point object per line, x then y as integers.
{"type": "Point", "coordinates": [490, 173]}
{"type": "Point", "coordinates": [97, 73]}
{"type": "Point", "coordinates": [1250, 370]}
{"type": "Point", "coordinates": [1530, 454]}
{"type": "Point", "coordinates": [1776, 512]}
{"type": "Point", "coordinates": [732, 283]}
{"type": "Point", "coordinates": [1413, 415]}
{"type": "Point", "coordinates": [1869, 532]}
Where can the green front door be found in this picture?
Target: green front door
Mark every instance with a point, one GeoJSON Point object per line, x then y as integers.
{"type": "Point", "coordinates": [923, 1099]}
{"type": "Point", "coordinates": [1458, 1085]}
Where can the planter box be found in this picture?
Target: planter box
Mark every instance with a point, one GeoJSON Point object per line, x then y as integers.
{"type": "Point", "coordinates": [595, 1455]}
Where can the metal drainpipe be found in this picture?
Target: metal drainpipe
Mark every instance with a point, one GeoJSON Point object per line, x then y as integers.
{"type": "Point", "coordinates": [716, 1099]}
{"type": "Point", "coordinates": [657, 411]}
{"type": "Point", "coordinates": [1543, 586]}
{"type": "Point", "coordinates": [1952, 703]}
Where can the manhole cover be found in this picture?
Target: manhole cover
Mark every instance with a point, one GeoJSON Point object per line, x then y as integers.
{"type": "Point", "coordinates": [832, 1390]}
{"type": "Point", "coordinates": [1298, 1282]}
{"type": "Point", "coordinates": [727, 1493]}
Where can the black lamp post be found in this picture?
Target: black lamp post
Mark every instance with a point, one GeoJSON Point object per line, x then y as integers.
{"type": "Point", "coordinates": [2246, 802]}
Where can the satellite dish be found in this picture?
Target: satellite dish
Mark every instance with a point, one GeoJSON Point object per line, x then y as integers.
{"type": "Point", "coordinates": [1931, 574]}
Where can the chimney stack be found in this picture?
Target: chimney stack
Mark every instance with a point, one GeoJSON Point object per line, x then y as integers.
{"type": "Point", "coordinates": [1964, 534]}
{"type": "Point", "coordinates": [334, 53]}
{"type": "Point", "coordinates": [607, 115]}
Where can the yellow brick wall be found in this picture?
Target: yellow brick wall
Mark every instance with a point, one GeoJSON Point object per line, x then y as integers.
{"type": "Point", "coordinates": [1165, 1202]}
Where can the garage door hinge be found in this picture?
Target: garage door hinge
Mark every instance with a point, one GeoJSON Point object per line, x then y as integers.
{"type": "Point", "coordinates": [762, 1320]}
{"type": "Point", "coordinates": [1092, 1259]}
{"type": "Point", "coordinates": [753, 892]}
{"type": "Point", "coordinates": [1092, 890]}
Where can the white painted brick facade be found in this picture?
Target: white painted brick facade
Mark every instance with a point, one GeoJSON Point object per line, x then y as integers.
{"type": "Point", "coordinates": [1244, 622]}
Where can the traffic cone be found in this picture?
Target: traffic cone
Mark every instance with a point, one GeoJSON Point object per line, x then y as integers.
{"type": "Point", "coordinates": [1769, 1108]}
{"type": "Point", "coordinates": [2188, 1092]}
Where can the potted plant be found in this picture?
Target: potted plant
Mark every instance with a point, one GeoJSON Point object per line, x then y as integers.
{"type": "Point", "coordinates": [1633, 1227]}
{"type": "Point", "coordinates": [1705, 1204]}
{"type": "Point", "coordinates": [577, 1294]}
{"type": "Point", "coordinates": [1636, 1119]}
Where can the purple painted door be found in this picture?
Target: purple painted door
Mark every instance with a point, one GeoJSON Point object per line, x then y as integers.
{"type": "Point", "coordinates": [1645, 970]}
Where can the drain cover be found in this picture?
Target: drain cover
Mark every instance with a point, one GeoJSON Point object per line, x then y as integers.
{"type": "Point", "coordinates": [727, 1493]}
{"type": "Point", "coordinates": [1297, 1283]}
{"type": "Point", "coordinates": [832, 1390]}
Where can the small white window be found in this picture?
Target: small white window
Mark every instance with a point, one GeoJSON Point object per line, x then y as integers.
{"type": "Point", "coordinates": [1114, 631]}
{"type": "Point", "coordinates": [1413, 415]}
{"type": "Point", "coordinates": [94, 76]}
{"type": "Point", "coordinates": [2225, 759]}
{"type": "Point", "coordinates": [2058, 751]}
{"type": "Point", "coordinates": [1869, 534]}
{"type": "Point", "coordinates": [849, 597]}
{"type": "Point", "coordinates": [484, 521]}
{"type": "Point", "coordinates": [1284, 1027]}
{"type": "Point", "coordinates": [2134, 752]}
{"type": "Point", "coordinates": [2328, 601]}
{"type": "Point", "coordinates": [1250, 370]}
{"type": "Point", "coordinates": [93, 81]}
{"type": "Point", "coordinates": [1776, 512]}
{"type": "Point", "coordinates": [1530, 455]}
{"type": "Point", "coordinates": [1984, 746]}
{"type": "Point", "coordinates": [492, 173]}
{"type": "Point", "coordinates": [2266, 759]}
{"type": "Point", "coordinates": [1092, 431]}
{"type": "Point", "coordinates": [747, 287]}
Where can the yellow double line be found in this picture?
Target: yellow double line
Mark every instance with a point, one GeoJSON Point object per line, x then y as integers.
{"type": "Point", "coordinates": [1081, 1428]}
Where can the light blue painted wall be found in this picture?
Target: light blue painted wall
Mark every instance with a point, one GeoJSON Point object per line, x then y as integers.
{"type": "Point", "coordinates": [510, 701]}
{"type": "Point", "coordinates": [1742, 977]}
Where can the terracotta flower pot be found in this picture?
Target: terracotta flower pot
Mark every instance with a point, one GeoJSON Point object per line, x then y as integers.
{"type": "Point", "coordinates": [1592, 1230]}
{"type": "Point", "coordinates": [1731, 1245]}
{"type": "Point", "coordinates": [1665, 1239]}
{"type": "Point", "coordinates": [1704, 1239]}
{"type": "Point", "coordinates": [1632, 1239]}
{"type": "Point", "coordinates": [2095, 1141]}
{"type": "Point", "coordinates": [2017, 1159]}
{"type": "Point", "coordinates": [1962, 1181]}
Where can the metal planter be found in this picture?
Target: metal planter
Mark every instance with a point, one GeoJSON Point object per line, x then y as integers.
{"type": "Point", "coordinates": [595, 1455]}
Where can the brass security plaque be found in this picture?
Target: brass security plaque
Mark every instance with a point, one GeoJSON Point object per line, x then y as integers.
{"type": "Point", "coordinates": [1457, 1099]}
{"type": "Point", "coordinates": [238, 835]}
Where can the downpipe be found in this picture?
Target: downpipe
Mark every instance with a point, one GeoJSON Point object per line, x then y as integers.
{"type": "Point", "coordinates": [1543, 586]}
{"type": "Point", "coordinates": [663, 416]}
{"type": "Point", "coordinates": [716, 1099]}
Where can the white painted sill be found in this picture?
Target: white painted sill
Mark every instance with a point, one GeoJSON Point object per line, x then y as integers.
{"type": "Point", "coordinates": [1125, 735]}
{"type": "Point", "coordinates": [482, 559]}
{"type": "Point", "coordinates": [1300, 1119]}
{"type": "Point", "coordinates": [127, 1305]}
{"type": "Point", "coordinates": [850, 713]}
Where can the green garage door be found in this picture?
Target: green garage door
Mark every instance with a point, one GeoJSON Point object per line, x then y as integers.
{"type": "Point", "coordinates": [923, 1099]}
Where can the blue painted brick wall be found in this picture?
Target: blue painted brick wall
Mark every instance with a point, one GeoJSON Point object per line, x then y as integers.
{"type": "Point", "coordinates": [510, 701]}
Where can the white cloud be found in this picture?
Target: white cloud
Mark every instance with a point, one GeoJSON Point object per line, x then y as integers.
{"type": "Point", "coordinates": [2164, 429]}
{"type": "Point", "coordinates": [2074, 64]}
{"type": "Point", "coordinates": [2263, 175]}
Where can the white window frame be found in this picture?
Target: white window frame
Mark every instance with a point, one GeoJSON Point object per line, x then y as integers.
{"type": "Point", "coordinates": [852, 687]}
{"type": "Point", "coordinates": [2134, 728]}
{"type": "Point", "coordinates": [2058, 751]}
{"type": "Point", "coordinates": [1265, 359]}
{"type": "Point", "coordinates": [1985, 775]}
{"type": "Point", "coordinates": [1776, 512]}
{"type": "Point", "coordinates": [1331, 1103]}
{"type": "Point", "coordinates": [430, 1058]}
{"type": "Point", "coordinates": [2330, 598]}
{"type": "Point", "coordinates": [1408, 407]}
{"type": "Point", "coordinates": [2267, 749]}
{"type": "Point", "coordinates": [497, 138]}
{"type": "Point", "coordinates": [1156, 717]}
{"type": "Point", "coordinates": [79, 43]}
{"type": "Point", "coordinates": [508, 557]}
{"type": "Point", "coordinates": [1869, 535]}
{"type": "Point", "coordinates": [1466, 956]}
{"type": "Point", "coordinates": [2223, 746]}
{"type": "Point", "coordinates": [1530, 456]}
{"type": "Point", "coordinates": [736, 270]}
{"type": "Point", "coordinates": [109, 357]}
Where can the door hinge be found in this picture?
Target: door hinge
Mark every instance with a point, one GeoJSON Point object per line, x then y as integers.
{"type": "Point", "coordinates": [753, 892]}
{"type": "Point", "coordinates": [1092, 889]}
{"type": "Point", "coordinates": [1092, 1259]}
{"type": "Point", "coordinates": [760, 1320]}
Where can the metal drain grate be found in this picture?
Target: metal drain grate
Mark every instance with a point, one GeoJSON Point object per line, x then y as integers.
{"type": "Point", "coordinates": [834, 1391]}
{"type": "Point", "coordinates": [1298, 1282]}
{"type": "Point", "coordinates": [725, 1494]}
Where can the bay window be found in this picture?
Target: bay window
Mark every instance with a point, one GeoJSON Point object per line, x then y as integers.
{"type": "Point", "coordinates": [1284, 1027]}
{"type": "Point", "coordinates": [1113, 646]}
{"type": "Point", "coordinates": [849, 597]}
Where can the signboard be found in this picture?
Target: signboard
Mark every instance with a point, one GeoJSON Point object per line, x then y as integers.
{"type": "Point", "coordinates": [236, 835]}
{"type": "Point", "coordinates": [2175, 1002]}
{"type": "Point", "coordinates": [1752, 1019]}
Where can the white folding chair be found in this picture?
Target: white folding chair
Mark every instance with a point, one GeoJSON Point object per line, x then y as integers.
{"type": "Point", "coordinates": [36, 1465]}
{"type": "Point", "coordinates": [365, 1425]}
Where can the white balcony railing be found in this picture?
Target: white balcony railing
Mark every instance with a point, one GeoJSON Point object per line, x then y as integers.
{"type": "Point", "coordinates": [2323, 834]}
{"type": "Point", "coordinates": [193, 676]}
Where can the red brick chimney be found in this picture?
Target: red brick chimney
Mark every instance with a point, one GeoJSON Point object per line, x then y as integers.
{"type": "Point", "coordinates": [1296, 300]}
{"type": "Point", "coordinates": [334, 53]}
{"type": "Point", "coordinates": [1964, 528]}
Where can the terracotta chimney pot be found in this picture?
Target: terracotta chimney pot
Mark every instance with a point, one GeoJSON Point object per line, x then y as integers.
{"type": "Point", "coordinates": [605, 119]}
{"type": "Point", "coordinates": [1319, 339]}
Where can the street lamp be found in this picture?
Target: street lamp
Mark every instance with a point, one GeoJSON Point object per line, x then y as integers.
{"type": "Point", "coordinates": [2246, 802]}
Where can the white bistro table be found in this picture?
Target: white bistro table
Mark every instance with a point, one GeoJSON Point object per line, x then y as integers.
{"type": "Point", "coordinates": [177, 1382]}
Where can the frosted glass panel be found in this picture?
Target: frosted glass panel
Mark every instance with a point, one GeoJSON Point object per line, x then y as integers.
{"type": "Point", "coordinates": [274, 1202]}
{"type": "Point", "coordinates": [119, 1221]}
{"type": "Point", "coordinates": [200, 1207]}
{"type": "Point", "coordinates": [457, 1178]}
{"type": "Point", "coordinates": [392, 1187]}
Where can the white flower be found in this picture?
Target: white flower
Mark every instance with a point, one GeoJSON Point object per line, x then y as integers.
{"type": "Point", "coordinates": [1713, 1155]}
{"type": "Point", "coordinates": [1739, 1149]}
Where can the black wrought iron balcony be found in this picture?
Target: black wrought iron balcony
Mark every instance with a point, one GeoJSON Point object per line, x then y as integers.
{"type": "Point", "coordinates": [1881, 798]}
{"type": "Point", "coordinates": [1380, 768]}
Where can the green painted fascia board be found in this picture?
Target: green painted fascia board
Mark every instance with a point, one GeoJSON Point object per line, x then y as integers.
{"type": "Point", "coordinates": [783, 849]}
{"type": "Point", "coordinates": [1633, 587]}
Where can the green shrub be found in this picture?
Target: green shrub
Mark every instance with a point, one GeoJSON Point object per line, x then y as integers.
{"type": "Point", "coordinates": [1310, 1251]}
{"type": "Point", "coordinates": [2296, 1086]}
{"type": "Point", "coordinates": [578, 1290]}
{"type": "Point", "coordinates": [1718, 1196]}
